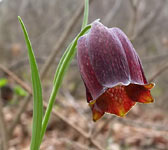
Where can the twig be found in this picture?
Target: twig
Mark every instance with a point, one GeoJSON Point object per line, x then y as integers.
{"type": "Point", "coordinates": [154, 59]}
{"type": "Point", "coordinates": [16, 78]}
{"type": "Point", "coordinates": [91, 137]}
{"type": "Point", "coordinates": [113, 11]}
{"type": "Point", "coordinates": [149, 20]}
{"type": "Point", "coordinates": [72, 102]}
{"type": "Point", "coordinates": [55, 26]}
{"type": "Point", "coordinates": [79, 130]}
{"type": "Point", "coordinates": [4, 133]}
{"type": "Point", "coordinates": [107, 121]}
{"type": "Point", "coordinates": [57, 114]}
{"type": "Point", "coordinates": [132, 26]}
{"type": "Point", "coordinates": [62, 40]}
{"type": "Point", "coordinates": [20, 111]}
{"type": "Point", "coordinates": [75, 144]}
{"type": "Point", "coordinates": [25, 61]}
{"type": "Point", "coordinates": [143, 125]}
{"type": "Point", "coordinates": [40, 60]}
{"type": "Point", "coordinates": [96, 144]}
{"type": "Point", "coordinates": [158, 73]}
{"type": "Point", "coordinates": [25, 101]}
{"type": "Point", "coordinates": [134, 3]}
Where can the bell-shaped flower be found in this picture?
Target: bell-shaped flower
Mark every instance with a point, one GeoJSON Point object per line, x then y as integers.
{"type": "Point", "coordinates": [112, 71]}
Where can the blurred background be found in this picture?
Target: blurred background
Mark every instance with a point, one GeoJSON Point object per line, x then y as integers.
{"type": "Point", "coordinates": [52, 25]}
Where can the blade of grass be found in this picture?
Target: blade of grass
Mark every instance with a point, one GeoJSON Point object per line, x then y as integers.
{"type": "Point", "coordinates": [37, 93]}
{"type": "Point", "coordinates": [63, 66]}
{"type": "Point", "coordinates": [61, 69]}
{"type": "Point", "coordinates": [84, 24]}
{"type": "Point", "coordinates": [61, 60]}
{"type": "Point", "coordinates": [86, 14]}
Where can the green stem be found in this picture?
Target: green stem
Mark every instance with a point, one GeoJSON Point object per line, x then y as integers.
{"type": "Point", "coordinates": [62, 67]}
{"type": "Point", "coordinates": [86, 14]}
{"type": "Point", "coordinates": [62, 59]}
{"type": "Point", "coordinates": [84, 24]}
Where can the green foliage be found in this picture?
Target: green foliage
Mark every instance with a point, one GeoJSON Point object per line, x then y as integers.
{"type": "Point", "coordinates": [86, 14]}
{"type": "Point", "coordinates": [60, 72]}
{"type": "Point", "coordinates": [3, 82]}
{"type": "Point", "coordinates": [20, 91]}
{"type": "Point", "coordinates": [84, 24]}
{"type": "Point", "coordinates": [39, 126]}
{"type": "Point", "coordinates": [37, 93]}
{"type": "Point", "coordinates": [63, 66]}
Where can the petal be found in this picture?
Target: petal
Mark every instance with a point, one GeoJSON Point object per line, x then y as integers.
{"type": "Point", "coordinates": [107, 57]}
{"type": "Point", "coordinates": [115, 101]}
{"type": "Point", "coordinates": [93, 88]}
{"type": "Point", "coordinates": [120, 99]}
{"type": "Point", "coordinates": [135, 66]}
{"type": "Point", "coordinates": [96, 111]}
{"type": "Point", "coordinates": [88, 95]}
{"type": "Point", "coordinates": [140, 93]}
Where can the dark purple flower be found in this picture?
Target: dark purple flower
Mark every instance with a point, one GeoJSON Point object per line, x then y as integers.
{"type": "Point", "coordinates": [112, 71]}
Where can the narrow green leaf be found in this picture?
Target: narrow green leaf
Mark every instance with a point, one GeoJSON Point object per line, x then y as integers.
{"type": "Point", "coordinates": [84, 24]}
{"type": "Point", "coordinates": [37, 93]}
{"type": "Point", "coordinates": [60, 72]}
{"type": "Point", "coordinates": [86, 14]}
{"type": "Point", "coordinates": [61, 60]}
{"type": "Point", "coordinates": [63, 66]}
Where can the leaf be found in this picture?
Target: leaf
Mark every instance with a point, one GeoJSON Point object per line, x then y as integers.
{"type": "Point", "coordinates": [3, 82]}
{"type": "Point", "coordinates": [20, 91]}
{"type": "Point", "coordinates": [84, 24]}
{"type": "Point", "coordinates": [37, 93]}
{"type": "Point", "coordinates": [63, 66]}
{"type": "Point", "coordinates": [59, 75]}
{"type": "Point", "coordinates": [86, 14]}
{"type": "Point", "coordinates": [61, 61]}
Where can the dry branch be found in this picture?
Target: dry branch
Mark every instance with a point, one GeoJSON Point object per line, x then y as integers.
{"type": "Point", "coordinates": [141, 124]}
{"type": "Point", "coordinates": [132, 26]}
{"type": "Point", "coordinates": [4, 132]}
{"type": "Point", "coordinates": [154, 59]}
{"type": "Point", "coordinates": [150, 18]}
{"type": "Point", "coordinates": [158, 73]}
{"type": "Point", "coordinates": [62, 40]}
{"type": "Point", "coordinates": [113, 11]}
{"type": "Point", "coordinates": [40, 60]}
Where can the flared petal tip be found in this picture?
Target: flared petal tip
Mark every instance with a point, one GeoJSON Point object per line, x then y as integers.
{"type": "Point", "coordinates": [120, 99]}
{"type": "Point", "coordinates": [98, 114]}
{"type": "Point", "coordinates": [146, 96]}
{"type": "Point", "coordinates": [149, 86]}
{"type": "Point", "coordinates": [140, 93]}
{"type": "Point", "coordinates": [122, 113]}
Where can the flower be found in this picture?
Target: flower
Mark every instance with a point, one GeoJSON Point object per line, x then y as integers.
{"type": "Point", "coordinates": [112, 72]}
